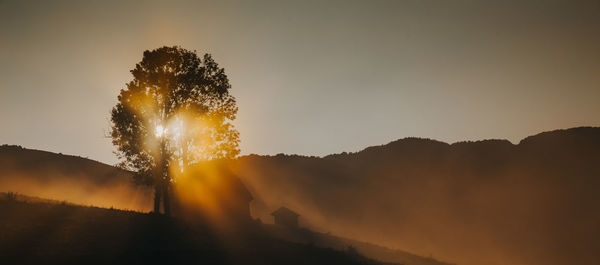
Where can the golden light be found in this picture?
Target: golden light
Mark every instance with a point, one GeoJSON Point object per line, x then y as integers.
{"type": "Point", "coordinates": [160, 131]}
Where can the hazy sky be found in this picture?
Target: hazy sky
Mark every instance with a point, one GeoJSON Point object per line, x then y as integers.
{"type": "Point", "coordinates": [311, 77]}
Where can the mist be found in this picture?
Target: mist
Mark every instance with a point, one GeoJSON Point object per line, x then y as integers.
{"type": "Point", "coordinates": [81, 191]}
{"type": "Point", "coordinates": [69, 178]}
{"type": "Point", "coordinates": [488, 202]}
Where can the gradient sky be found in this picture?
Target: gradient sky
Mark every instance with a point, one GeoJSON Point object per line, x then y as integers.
{"type": "Point", "coordinates": [311, 77]}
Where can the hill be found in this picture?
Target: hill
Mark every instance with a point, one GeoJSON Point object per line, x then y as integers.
{"type": "Point", "coordinates": [47, 233]}
{"type": "Point", "coordinates": [306, 236]}
{"type": "Point", "coordinates": [17, 158]}
{"type": "Point", "coordinates": [70, 178]}
{"type": "Point", "coordinates": [485, 202]}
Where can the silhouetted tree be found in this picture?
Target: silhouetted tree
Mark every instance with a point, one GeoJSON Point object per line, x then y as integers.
{"type": "Point", "coordinates": [177, 110]}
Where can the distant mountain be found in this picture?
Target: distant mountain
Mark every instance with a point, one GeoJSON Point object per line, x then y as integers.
{"type": "Point", "coordinates": [484, 202]}
{"type": "Point", "coordinates": [16, 158]}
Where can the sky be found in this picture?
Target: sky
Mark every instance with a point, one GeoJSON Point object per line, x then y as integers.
{"type": "Point", "coordinates": [310, 77]}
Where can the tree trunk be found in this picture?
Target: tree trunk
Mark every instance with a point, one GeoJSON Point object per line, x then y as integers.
{"type": "Point", "coordinates": [166, 199]}
{"type": "Point", "coordinates": [157, 194]}
{"type": "Point", "coordinates": [161, 181]}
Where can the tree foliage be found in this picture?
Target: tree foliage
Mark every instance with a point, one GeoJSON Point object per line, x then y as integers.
{"type": "Point", "coordinates": [177, 110]}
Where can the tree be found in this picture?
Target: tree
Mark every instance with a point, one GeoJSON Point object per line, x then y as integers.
{"type": "Point", "coordinates": [176, 111]}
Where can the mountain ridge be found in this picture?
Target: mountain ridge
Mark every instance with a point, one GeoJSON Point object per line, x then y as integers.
{"type": "Point", "coordinates": [585, 130]}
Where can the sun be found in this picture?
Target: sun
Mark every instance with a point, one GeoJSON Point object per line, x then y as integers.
{"type": "Point", "coordinates": [160, 131]}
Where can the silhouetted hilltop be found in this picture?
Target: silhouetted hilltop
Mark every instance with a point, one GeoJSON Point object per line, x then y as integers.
{"type": "Point", "coordinates": [71, 178]}
{"type": "Point", "coordinates": [23, 160]}
{"type": "Point", "coordinates": [579, 135]}
{"type": "Point", "coordinates": [404, 146]}
{"type": "Point", "coordinates": [46, 233]}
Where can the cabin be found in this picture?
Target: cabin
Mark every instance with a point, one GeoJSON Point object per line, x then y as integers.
{"type": "Point", "coordinates": [286, 217]}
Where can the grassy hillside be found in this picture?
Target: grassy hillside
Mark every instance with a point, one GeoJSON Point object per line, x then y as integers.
{"type": "Point", "coordinates": [49, 233]}
{"type": "Point", "coordinates": [306, 236]}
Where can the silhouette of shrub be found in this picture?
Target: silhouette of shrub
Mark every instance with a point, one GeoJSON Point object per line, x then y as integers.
{"type": "Point", "coordinates": [351, 251]}
{"type": "Point", "coordinates": [11, 196]}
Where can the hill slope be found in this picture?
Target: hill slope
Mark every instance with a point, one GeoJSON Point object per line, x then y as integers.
{"type": "Point", "coordinates": [70, 178]}
{"type": "Point", "coordinates": [83, 181]}
{"type": "Point", "coordinates": [45, 233]}
{"type": "Point", "coordinates": [485, 202]}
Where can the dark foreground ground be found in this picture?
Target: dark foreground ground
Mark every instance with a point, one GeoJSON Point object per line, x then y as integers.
{"type": "Point", "coordinates": [49, 233]}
